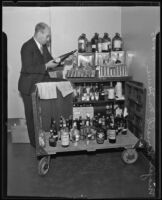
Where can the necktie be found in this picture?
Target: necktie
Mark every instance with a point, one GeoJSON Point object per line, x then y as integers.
{"type": "Point", "coordinates": [41, 49]}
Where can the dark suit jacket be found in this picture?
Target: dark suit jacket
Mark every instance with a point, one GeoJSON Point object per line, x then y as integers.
{"type": "Point", "coordinates": [33, 66]}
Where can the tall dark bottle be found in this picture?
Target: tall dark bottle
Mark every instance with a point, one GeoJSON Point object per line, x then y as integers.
{"type": "Point", "coordinates": [94, 42]}
{"type": "Point", "coordinates": [106, 43]}
{"type": "Point", "coordinates": [112, 131]}
{"type": "Point", "coordinates": [117, 42]}
{"type": "Point", "coordinates": [53, 134]}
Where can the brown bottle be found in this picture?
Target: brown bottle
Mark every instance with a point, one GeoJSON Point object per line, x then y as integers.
{"type": "Point", "coordinates": [94, 42]}
{"type": "Point", "coordinates": [106, 43]}
{"type": "Point", "coordinates": [117, 42]}
{"type": "Point", "coordinates": [82, 43]}
{"type": "Point", "coordinates": [112, 131]}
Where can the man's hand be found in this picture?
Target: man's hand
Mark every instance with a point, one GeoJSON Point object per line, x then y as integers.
{"type": "Point", "coordinates": [51, 64]}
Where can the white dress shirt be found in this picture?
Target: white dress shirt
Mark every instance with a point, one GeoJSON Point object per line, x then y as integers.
{"type": "Point", "coordinates": [39, 45]}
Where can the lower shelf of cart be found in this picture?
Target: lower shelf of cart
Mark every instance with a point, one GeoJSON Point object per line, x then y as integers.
{"type": "Point", "coordinates": [127, 141]}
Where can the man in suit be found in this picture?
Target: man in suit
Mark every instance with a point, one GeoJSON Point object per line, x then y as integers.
{"type": "Point", "coordinates": [36, 60]}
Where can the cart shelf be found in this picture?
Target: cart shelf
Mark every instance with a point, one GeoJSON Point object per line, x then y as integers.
{"type": "Point", "coordinates": [98, 80]}
{"type": "Point", "coordinates": [99, 102]}
{"type": "Point", "coordinates": [125, 141]}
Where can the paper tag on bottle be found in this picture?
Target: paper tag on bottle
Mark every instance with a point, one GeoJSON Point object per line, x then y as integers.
{"type": "Point", "coordinates": [117, 44]}
{"type": "Point", "coordinates": [112, 134]}
{"type": "Point", "coordinates": [105, 46]}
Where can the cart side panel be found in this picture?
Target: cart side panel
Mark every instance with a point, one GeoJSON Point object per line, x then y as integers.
{"type": "Point", "coordinates": [135, 101]}
{"type": "Point", "coordinates": [37, 122]}
{"type": "Point", "coordinates": [43, 110]}
{"type": "Point", "coordinates": [54, 108]}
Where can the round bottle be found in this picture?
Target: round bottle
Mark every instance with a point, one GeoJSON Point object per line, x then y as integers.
{"type": "Point", "coordinates": [52, 139]}
{"type": "Point", "coordinates": [117, 42]}
{"type": "Point", "coordinates": [100, 136]}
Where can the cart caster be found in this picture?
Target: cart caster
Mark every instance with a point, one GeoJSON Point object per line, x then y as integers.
{"type": "Point", "coordinates": [129, 156]}
{"type": "Point", "coordinates": [43, 165]}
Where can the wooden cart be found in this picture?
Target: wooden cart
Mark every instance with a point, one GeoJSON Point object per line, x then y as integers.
{"type": "Point", "coordinates": [128, 142]}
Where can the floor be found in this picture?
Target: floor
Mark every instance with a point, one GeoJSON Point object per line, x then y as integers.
{"type": "Point", "coordinates": [77, 175]}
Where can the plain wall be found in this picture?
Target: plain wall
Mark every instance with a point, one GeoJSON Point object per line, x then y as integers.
{"type": "Point", "coordinates": [67, 23]}
{"type": "Point", "coordinates": [18, 23]}
{"type": "Point", "coordinates": [139, 25]}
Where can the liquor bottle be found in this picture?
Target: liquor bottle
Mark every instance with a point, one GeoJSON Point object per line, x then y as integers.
{"type": "Point", "coordinates": [88, 93]}
{"type": "Point", "coordinates": [61, 123]}
{"type": "Point", "coordinates": [84, 93]}
{"type": "Point", "coordinates": [117, 124]}
{"type": "Point", "coordinates": [53, 134]}
{"type": "Point", "coordinates": [85, 40]}
{"type": "Point", "coordinates": [125, 116]}
{"type": "Point", "coordinates": [67, 124]}
{"type": "Point", "coordinates": [70, 123]}
{"type": "Point", "coordinates": [87, 129]}
{"type": "Point", "coordinates": [99, 120]}
{"type": "Point", "coordinates": [106, 43]}
{"type": "Point", "coordinates": [65, 137]}
{"type": "Point", "coordinates": [81, 43]}
{"type": "Point", "coordinates": [80, 123]}
{"type": "Point", "coordinates": [99, 44]}
{"type": "Point", "coordinates": [100, 135]}
{"type": "Point", "coordinates": [117, 42]}
{"type": "Point", "coordinates": [96, 92]}
{"type": "Point", "coordinates": [75, 133]}
{"type": "Point", "coordinates": [112, 131]}
{"type": "Point", "coordinates": [102, 93]}
{"type": "Point", "coordinates": [94, 42]}
{"type": "Point", "coordinates": [92, 93]}
{"type": "Point", "coordinates": [111, 91]}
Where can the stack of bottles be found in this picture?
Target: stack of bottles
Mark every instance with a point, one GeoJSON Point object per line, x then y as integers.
{"type": "Point", "coordinates": [100, 128]}
{"type": "Point", "coordinates": [100, 44]}
{"type": "Point", "coordinates": [88, 92]}
{"type": "Point", "coordinates": [81, 73]}
{"type": "Point", "coordinates": [113, 70]}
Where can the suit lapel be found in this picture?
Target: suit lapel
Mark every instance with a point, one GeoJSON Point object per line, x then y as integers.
{"type": "Point", "coordinates": [36, 47]}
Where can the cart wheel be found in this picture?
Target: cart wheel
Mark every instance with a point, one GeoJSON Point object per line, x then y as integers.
{"type": "Point", "coordinates": [129, 156]}
{"type": "Point", "coordinates": [43, 165]}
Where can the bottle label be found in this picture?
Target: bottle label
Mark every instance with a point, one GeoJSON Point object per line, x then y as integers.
{"type": "Point", "coordinates": [99, 47]}
{"type": "Point", "coordinates": [81, 41]}
{"type": "Point", "coordinates": [105, 46]}
{"type": "Point", "coordinates": [112, 134]}
{"type": "Point", "coordinates": [81, 44]}
{"type": "Point", "coordinates": [65, 140]}
{"type": "Point", "coordinates": [117, 44]}
{"type": "Point", "coordinates": [100, 135]}
{"type": "Point", "coordinates": [93, 46]}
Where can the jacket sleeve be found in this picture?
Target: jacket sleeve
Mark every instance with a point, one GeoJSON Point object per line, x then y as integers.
{"type": "Point", "coordinates": [29, 65]}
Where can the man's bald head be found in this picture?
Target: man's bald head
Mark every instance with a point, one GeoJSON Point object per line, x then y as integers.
{"type": "Point", "coordinates": [42, 33]}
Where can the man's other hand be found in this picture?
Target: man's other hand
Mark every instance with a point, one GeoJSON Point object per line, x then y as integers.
{"type": "Point", "coordinates": [51, 64]}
